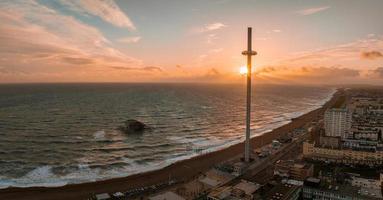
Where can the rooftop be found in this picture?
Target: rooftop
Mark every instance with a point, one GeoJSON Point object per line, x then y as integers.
{"type": "Point", "coordinates": [166, 196]}
{"type": "Point", "coordinates": [281, 192]}
{"type": "Point", "coordinates": [210, 181]}
{"type": "Point", "coordinates": [248, 187]}
{"type": "Point", "coordinates": [220, 193]}
{"type": "Point", "coordinates": [344, 189]}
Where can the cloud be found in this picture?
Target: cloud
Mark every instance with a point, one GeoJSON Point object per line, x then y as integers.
{"type": "Point", "coordinates": [213, 72]}
{"type": "Point", "coordinates": [41, 41]}
{"type": "Point", "coordinates": [308, 74]}
{"type": "Point", "coordinates": [262, 38]}
{"type": "Point", "coordinates": [211, 75]}
{"type": "Point", "coordinates": [77, 61]}
{"type": "Point", "coordinates": [216, 50]}
{"type": "Point", "coordinates": [208, 31]}
{"type": "Point", "coordinates": [276, 31]}
{"type": "Point", "coordinates": [129, 40]}
{"type": "Point", "coordinates": [180, 71]}
{"type": "Point", "coordinates": [348, 54]}
{"type": "Point", "coordinates": [214, 26]}
{"type": "Point", "coordinates": [209, 54]}
{"type": "Point", "coordinates": [147, 68]}
{"type": "Point", "coordinates": [262, 70]}
{"type": "Point", "coordinates": [310, 11]}
{"type": "Point", "coordinates": [209, 27]}
{"type": "Point", "coordinates": [331, 72]}
{"type": "Point", "coordinates": [308, 71]}
{"type": "Point", "coordinates": [107, 10]}
{"type": "Point", "coordinates": [371, 55]}
{"type": "Point", "coordinates": [211, 37]}
{"type": "Point", "coordinates": [33, 24]}
{"type": "Point", "coordinates": [335, 64]}
{"type": "Point", "coordinates": [7, 71]}
{"type": "Point", "coordinates": [376, 73]}
{"type": "Point", "coordinates": [152, 69]}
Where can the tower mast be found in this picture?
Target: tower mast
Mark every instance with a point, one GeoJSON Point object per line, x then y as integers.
{"type": "Point", "coordinates": [248, 53]}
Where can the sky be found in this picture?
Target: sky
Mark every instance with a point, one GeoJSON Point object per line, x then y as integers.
{"type": "Point", "coordinates": [308, 42]}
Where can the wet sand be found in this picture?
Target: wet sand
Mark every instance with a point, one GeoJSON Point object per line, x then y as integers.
{"type": "Point", "coordinates": [181, 170]}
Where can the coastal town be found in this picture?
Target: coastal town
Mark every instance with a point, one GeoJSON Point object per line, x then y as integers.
{"type": "Point", "coordinates": [337, 155]}
{"type": "Point", "coordinates": [334, 152]}
{"type": "Point", "coordinates": [191, 100]}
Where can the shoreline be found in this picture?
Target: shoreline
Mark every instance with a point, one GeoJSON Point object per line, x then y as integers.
{"type": "Point", "coordinates": [49, 181]}
{"type": "Point", "coordinates": [183, 168]}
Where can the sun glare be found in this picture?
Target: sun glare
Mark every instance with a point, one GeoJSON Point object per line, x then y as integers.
{"type": "Point", "coordinates": [243, 70]}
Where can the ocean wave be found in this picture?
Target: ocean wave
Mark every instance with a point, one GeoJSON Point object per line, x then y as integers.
{"type": "Point", "coordinates": [40, 176]}
{"type": "Point", "coordinates": [178, 134]}
{"type": "Point", "coordinates": [99, 135]}
{"type": "Point", "coordinates": [110, 149]}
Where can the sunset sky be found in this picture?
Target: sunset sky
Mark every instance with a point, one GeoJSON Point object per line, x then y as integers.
{"type": "Point", "coordinates": [312, 41]}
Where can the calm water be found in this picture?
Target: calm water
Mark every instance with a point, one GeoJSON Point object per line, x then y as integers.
{"type": "Point", "coordinates": [55, 134]}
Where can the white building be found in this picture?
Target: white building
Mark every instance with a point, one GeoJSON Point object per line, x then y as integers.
{"type": "Point", "coordinates": [337, 122]}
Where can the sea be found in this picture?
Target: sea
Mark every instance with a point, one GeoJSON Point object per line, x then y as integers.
{"type": "Point", "coordinates": [57, 134]}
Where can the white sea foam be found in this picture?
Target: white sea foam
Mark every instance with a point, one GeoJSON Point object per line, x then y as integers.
{"type": "Point", "coordinates": [205, 107]}
{"type": "Point", "coordinates": [40, 173]}
{"type": "Point", "coordinates": [41, 176]}
{"type": "Point", "coordinates": [83, 166]}
{"type": "Point", "coordinates": [99, 135]}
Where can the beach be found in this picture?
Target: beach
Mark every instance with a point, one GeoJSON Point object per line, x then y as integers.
{"type": "Point", "coordinates": [181, 170]}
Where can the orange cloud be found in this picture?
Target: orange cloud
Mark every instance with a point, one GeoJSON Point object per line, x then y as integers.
{"type": "Point", "coordinates": [281, 75]}
{"type": "Point", "coordinates": [40, 41]}
{"type": "Point", "coordinates": [77, 60]}
{"type": "Point", "coordinates": [148, 68]}
{"type": "Point", "coordinates": [345, 55]}
{"type": "Point", "coordinates": [376, 73]}
{"type": "Point", "coordinates": [371, 55]}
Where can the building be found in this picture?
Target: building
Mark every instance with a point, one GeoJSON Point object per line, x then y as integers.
{"type": "Point", "coordinates": [363, 105]}
{"type": "Point", "coordinates": [337, 122]}
{"type": "Point", "coordinates": [316, 189]}
{"type": "Point", "coordinates": [291, 169]}
{"type": "Point", "coordinates": [362, 145]}
{"type": "Point", "coordinates": [245, 190]}
{"type": "Point", "coordinates": [330, 142]}
{"type": "Point", "coordinates": [358, 181]}
{"type": "Point", "coordinates": [344, 156]}
{"type": "Point", "coordinates": [214, 178]}
{"type": "Point", "coordinates": [353, 135]}
{"type": "Point", "coordinates": [209, 182]}
{"type": "Point", "coordinates": [283, 192]}
{"type": "Point", "coordinates": [219, 193]}
{"type": "Point", "coordinates": [166, 196]}
{"type": "Point", "coordinates": [239, 168]}
{"type": "Point", "coordinates": [367, 118]}
{"type": "Point", "coordinates": [242, 190]}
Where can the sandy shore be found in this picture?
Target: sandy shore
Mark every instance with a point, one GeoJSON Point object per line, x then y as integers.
{"type": "Point", "coordinates": [181, 170]}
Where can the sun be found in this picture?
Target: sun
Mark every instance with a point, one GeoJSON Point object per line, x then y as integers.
{"type": "Point", "coordinates": [243, 70]}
